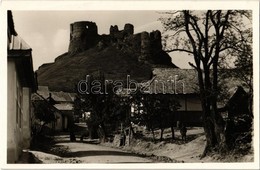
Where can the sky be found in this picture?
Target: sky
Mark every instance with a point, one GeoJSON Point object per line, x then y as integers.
{"type": "Point", "coordinates": [47, 32]}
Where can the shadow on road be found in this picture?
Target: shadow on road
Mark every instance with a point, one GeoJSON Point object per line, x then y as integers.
{"type": "Point", "coordinates": [66, 139]}
{"type": "Point", "coordinates": [28, 157]}
{"type": "Point", "coordinates": [99, 153]}
{"type": "Point", "coordinates": [95, 142]}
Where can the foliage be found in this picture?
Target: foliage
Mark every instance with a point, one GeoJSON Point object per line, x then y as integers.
{"type": "Point", "coordinates": [43, 114]}
{"type": "Point", "coordinates": [107, 109]}
{"type": "Point", "coordinates": [77, 108]}
{"type": "Point", "coordinates": [242, 68]}
{"type": "Point", "coordinates": [155, 111]}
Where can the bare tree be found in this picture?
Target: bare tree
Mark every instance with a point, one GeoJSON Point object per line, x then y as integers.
{"type": "Point", "coordinates": [206, 35]}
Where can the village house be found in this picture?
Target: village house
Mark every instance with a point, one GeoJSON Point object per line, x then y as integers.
{"type": "Point", "coordinates": [21, 83]}
{"type": "Point", "coordinates": [182, 85]}
{"type": "Point", "coordinates": [63, 106]}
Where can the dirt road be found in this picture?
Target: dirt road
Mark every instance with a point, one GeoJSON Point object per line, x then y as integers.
{"type": "Point", "coordinates": [88, 152]}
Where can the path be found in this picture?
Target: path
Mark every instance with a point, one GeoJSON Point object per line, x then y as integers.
{"type": "Point", "coordinates": [88, 152]}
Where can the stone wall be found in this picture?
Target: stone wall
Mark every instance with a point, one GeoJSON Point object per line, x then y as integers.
{"type": "Point", "coordinates": [120, 35]}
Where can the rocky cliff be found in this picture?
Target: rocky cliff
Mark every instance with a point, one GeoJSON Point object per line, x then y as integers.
{"type": "Point", "coordinates": [117, 55]}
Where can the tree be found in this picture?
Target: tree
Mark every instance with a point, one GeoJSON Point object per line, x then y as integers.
{"type": "Point", "coordinates": [45, 113]}
{"type": "Point", "coordinates": [156, 111]}
{"type": "Point", "coordinates": [105, 106]}
{"type": "Point", "coordinates": [207, 35]}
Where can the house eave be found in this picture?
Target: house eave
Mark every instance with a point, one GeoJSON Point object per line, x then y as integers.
{"type": "Point", "coordinates": [24, 65]}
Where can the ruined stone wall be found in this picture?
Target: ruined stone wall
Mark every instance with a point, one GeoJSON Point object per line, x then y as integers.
{"type": "Point", "coordinates": [113, 30]}
{"type": "Point", "coordinates": [145, 44]}
{"type": "Point", "coordinates": [120, 35]}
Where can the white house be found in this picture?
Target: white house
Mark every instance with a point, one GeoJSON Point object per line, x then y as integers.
{"type": "Point", "coordinates": [21, 83]}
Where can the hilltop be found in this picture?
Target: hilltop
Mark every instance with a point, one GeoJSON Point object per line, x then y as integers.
{"type": "Point", "coordinates": [117, 55]}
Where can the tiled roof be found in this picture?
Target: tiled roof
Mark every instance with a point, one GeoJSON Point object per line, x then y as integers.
{"type": "Point", "coordinates": [189, 78]}
{"type": "Point", "coordinates": [64, 106]}
{"type": "Point", "coordinates": [168, 81]}
{"type": "Point", "coordinates": [57, 96]}
{"type": "Point", "coordinates": [173, 81]}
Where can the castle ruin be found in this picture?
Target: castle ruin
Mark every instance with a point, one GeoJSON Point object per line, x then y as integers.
{"type": "Point", "coordinates": [117, 54]}
{"type": "Point", "coordinates": [84, 35]}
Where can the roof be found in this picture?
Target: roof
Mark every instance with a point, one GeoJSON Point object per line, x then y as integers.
{"type": "Point", "coordinates": [17, 43]}
{"type": "Point", "coordinates": [64, 100]}
{"type": "Point", "coordinates": [238, 103]}
{"type": "Point", "coordinates": [43, 88]}
{"type": "Point", "coordinates": [64, 106]}
{"type": "Point", "coordinates": [172, 81]}
{"type": "Point", "coordinates": [180, 81]}
{"type": "Point", "coordinates": [167, 81]}
{"type": "Point", "coordinates": [238, 96]}
{"type": "Point", "coordinates": [57, 96]}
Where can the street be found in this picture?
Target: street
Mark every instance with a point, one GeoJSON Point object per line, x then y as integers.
{"type": "Point", "coordinates": [87, 152]}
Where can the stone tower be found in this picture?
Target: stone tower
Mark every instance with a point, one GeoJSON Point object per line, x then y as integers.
{"type": "Point", "coordinates": [145, 47]}
{"type": "Point", "coordinates": [129, 29]}
{"type": "Point", "coordinates": [151, 46]}
{"type": "Point", "coordinates": [156, 40]}
{"type": "Point", "coordinates": [83, 35]}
